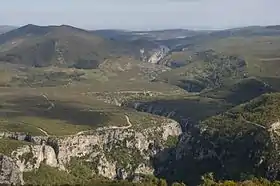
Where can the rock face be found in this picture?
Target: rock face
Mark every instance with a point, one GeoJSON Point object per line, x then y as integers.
{"type": "Point", "coordinates": [159, 55]}
{"type": "Point", "coordinates": [114, 153]}
{"type": "Point", "coordinates": [231, 148]}
{"type": "Point", "coordinates": [113, 150]}
{"type": "Point", "coordinates": [9, 171]}
{"type": "Point", "coordinates": [30, 157]}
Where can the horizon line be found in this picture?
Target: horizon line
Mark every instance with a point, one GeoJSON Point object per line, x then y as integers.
{"type": "Point", "coordinates": [142, 30]}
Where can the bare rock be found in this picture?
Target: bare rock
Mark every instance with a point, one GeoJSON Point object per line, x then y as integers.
{"type": "Point", "coordinates": [96, 147]}
{"type": "Point", "coordinates": [30, 157]}
{"type": "Point", "coordinates": [106, 168]}
{"type": "Point", "coordinates": [10, 173]}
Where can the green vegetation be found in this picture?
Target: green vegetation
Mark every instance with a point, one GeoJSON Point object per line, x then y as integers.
{"type": "Point", "coordinates": [208, 180]}
{"type": "Point", "coordinates": [171, 141]}
{"type": "Point", "coordinates": [46, 175]}
{"type": "Point", "coordinates": [240, 92]}
{"type": "Point", "coordinates": [7, 146]}
{"type": "Point", "coordinates": [127, 158]}
{"type": "Point", "coordinates": [46, 79]}
{"type": "Point", "coordinates": [81, 170]}
{"type": "Point", "coordinates": [62, 111]}
{"type": "Point", "coordinates": [51, 176]}
{"type": "Point", "coordinates": [208, 69]}
{"type": "Point", "coordinates": [188, 108]}
{"type": "Point", "coordinates": [57, 45]}
{"type": "Point", "coordinates": [32, 113]}
{"type": "Point", "coordinates": [215, 147]}
{"type": "Point", "coordinates": [257, 46]}
{"type": "Point", "coordinates": [14, 125]}
{"type": "Point", "coordinates": [263, 110]}
{"type": "Point", "coordinates": [259, 52]}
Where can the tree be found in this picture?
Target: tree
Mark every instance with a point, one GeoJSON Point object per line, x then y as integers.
{"type": "Point", "coordinates": [162, 182]}
{"type": "Point", "coordinates": [208, 179]}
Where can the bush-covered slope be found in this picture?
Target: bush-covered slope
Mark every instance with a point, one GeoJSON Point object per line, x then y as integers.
{"type": "Point", "coordinates": [207, 69]}
{"type": "Point", "coordinates": [60, 45]}
{"type": "Point", "coordinates": [235, 145]}
{"type": "Point", "coordinates": [240, 91]}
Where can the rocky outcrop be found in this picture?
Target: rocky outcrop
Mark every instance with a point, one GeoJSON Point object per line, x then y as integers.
{"type": "Point", "coordinates": [9, 171]}
{"type": "Point", "coordinates": [30, 157]}
{"type": "Point", "coordinates": [14, 135]}
{"type": "Point", "coordinates": [227, 145]}
{"type": "Point", "coordinates": [114, 152]}
{"type": "Point", "coordinates": [117, 149]}
{"type": "Point", "coordinates": [158, 55]}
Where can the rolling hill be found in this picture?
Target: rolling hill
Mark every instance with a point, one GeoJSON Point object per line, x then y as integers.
{"type": "Point", "coordinates": [63, 45]}
{"type": "Point", "coordinates": [256, 46]}
{"type": "Point", "coordinates": [205, 70]}
{"type": "Point", "coordinates": [153, 35]}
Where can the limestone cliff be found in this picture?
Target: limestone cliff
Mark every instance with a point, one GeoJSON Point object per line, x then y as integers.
{"type": "Point", "coordinates": [158, 55]}
{"type": "Point", "coordinates": [9, 171]}
{"type": "Point", "coordinates": [235, 145]}
{"type": "Point", "coordinates": [113, 152]}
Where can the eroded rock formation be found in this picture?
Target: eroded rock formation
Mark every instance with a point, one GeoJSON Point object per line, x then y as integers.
{"type": "Point", "coordinates": [114, 153]}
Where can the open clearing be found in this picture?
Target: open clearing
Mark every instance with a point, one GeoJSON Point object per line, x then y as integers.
{"type": "Point", "coordinates": [47, 104]}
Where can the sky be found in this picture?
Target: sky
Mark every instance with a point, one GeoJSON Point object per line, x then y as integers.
{"type": "Point", "coordinates": [141, 14]}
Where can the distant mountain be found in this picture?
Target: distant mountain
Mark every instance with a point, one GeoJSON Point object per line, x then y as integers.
{"type": "Point", "coordinates": [201, 37]}
{"type": "Point", "coordinates": [154, 35]}
{"type": "Point", "coordinates": [249, 31]}
{"type": "Point", "coordinates": [169, 34]}
{"type": "Point", "coordinates": [6, 28]}
{"type": "Point", "coordinates": [275, 27]}
{"type": "Point", "coordinates": [61, 45]}
{"type": "Point", "coordinates": [115, 34]}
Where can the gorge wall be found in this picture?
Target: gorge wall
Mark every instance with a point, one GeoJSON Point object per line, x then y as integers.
{"type": "Point", "coordinates": [112, 153]}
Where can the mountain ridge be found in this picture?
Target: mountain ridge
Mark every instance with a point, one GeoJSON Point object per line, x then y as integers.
{"type": "Point", "coordinates": [60, 41]}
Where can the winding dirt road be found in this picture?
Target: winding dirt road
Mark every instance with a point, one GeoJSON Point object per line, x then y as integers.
{"type": "Point", "coordinates": [98, 129]}
{"type": "Point", "coordinates": [43, 131]}
{"type": "Point", "coordinates": [111, 127]}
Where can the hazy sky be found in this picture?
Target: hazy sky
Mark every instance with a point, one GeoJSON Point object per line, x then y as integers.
{"type": "Point", "coordinates": [141, 14]}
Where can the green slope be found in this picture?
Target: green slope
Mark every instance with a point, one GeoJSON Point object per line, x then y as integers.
{"type": "Point", "coordinates": [235, 145]}
{"type": "Point", "coordinates": [60, 45]}
{"type": "Point", "coordinates": [207, 69]}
